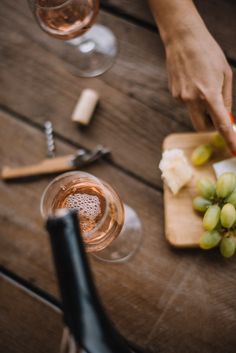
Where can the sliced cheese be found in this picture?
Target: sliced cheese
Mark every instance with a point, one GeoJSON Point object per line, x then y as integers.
{"type": "Point", "coordinates": [176, 171]}
{"type": "Point", "coordinates": [226, 166]}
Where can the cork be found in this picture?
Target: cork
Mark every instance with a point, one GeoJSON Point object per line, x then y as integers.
{"type": "Point", "coordinates": [85, 107]}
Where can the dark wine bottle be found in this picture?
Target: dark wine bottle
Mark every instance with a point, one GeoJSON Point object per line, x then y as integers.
{"type": "Point", "coordinates": [88, 326]}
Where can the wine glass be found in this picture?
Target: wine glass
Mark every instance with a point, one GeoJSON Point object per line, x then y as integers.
{"type": "Point", "coordinates": [110, 229]}
{"type": "Point", "coordinates": [93, 50]}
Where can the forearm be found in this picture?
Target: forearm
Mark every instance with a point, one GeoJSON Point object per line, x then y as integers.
{"type": "Point", "coordinates": [175, 18]}
{"type": "Point", "coordinates": [199, 74]}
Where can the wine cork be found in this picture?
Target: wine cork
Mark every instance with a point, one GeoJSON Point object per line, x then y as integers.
{"type": "Point", "coordinates": [85, 107]}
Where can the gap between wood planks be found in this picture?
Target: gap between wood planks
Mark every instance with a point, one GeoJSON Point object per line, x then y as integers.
{"type": "Point", "coordinates": [72, 67]}
{"type": "Point", "coordinates": [111, 9]}
{"type": "Point", "coordinates": [15, 115]}
{"type": "Point", "coordinates": [183, 124]}
{"type": "Point", "coordinates": [48, 298]}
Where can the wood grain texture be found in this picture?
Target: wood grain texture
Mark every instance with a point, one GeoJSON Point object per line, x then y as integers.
{"type": "Point", "coordinates": [138, 9]}
{"type": "Point", "coordinates": [134, 104]}
{"type": "Point", "coordinates": [24, 244]}
{"type": "Point", "coordinates": [183, 226]}
{"type": "Point", "coordinates": [136, 110]}
{"type": "Point", "coordinates": [162, 299]}
{"type": "Point", "coordinates": [218, 15]}
{"type": "Point", "coordinates": [27, 323]}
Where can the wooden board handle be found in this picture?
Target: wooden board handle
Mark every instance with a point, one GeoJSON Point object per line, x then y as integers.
{"type": "Point", "coordinates": [47, 166]}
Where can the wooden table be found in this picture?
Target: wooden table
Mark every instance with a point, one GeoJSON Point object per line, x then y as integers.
{"type": "Point", "coordinates": [165, 300]}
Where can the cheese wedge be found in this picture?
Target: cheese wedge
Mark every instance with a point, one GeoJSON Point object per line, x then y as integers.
{"type": "Point", "coordinates": [176, 171]}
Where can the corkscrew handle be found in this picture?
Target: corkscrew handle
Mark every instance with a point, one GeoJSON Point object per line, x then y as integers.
{"type": "Point", "coordinates": [56, 164]}
{"type": "Point", "coordinates": [47, 166]}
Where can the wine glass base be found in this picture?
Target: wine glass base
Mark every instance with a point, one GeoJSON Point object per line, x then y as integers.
{"type": "Point", "coordinates": [128, 241]}
{"type": "Point", "coordinates": [96, 51]}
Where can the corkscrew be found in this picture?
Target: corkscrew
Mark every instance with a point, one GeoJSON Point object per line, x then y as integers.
{"type": "Point", "coordinates": [52, 164]}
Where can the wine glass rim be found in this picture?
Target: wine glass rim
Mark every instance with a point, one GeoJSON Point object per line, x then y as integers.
{"type": "Point", "coordinates": [64, 175]}
{"type": "Point", "coordinates": [53, 7]}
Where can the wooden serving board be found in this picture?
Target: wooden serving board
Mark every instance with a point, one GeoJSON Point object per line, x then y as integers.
{"type": "Point", "coordinates": [183, 226]}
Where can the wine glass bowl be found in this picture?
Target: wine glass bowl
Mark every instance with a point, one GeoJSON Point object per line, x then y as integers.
{"type": "Point", "coordinates": [66, 19]}
{"type": "Point", "coordinates": [110, 229]}
{"type": "Point", "coordinates": [101, 212]}
{"type": "Point", "coordinates": [92, 47]}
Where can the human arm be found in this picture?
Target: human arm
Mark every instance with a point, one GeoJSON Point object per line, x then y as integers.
{"type": "Point", "coordinates": [199, 74]}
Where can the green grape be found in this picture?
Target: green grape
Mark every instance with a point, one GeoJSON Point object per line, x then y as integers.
{"type": "Point", "coordinates": [227, 246]}
{"type": "Point", "coordinates": [210, 240]}
{"type": "Point", "coordinates": [201, 154]}
{"type": "Point", "coordinates": [228, 215]}
{"type": "Point", "coordinates": [200, 204]}
{"type": "Point", "coordinates": [211, 217]}
{"type": "Point", "coordinates": [218, 141]}
{"type": "Point", "coordinates": [232, 198]}
{"type": "Point", "coordinates": [225, 185]}
{"type": "Point", "coordinates": [206, 188]}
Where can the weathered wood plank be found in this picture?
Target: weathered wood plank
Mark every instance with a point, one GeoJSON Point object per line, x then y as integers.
{"type": "Point", "coordinates": [138, 9]}
{"type": "Point", "coordinates": [136, 110]}
{"type": "Point", "coordinates": [218, 15]}
{"type": "Point", "coordinates": [24, 245]}
{"type": "Point", "coordinates": [134, 99]}
{"type": "Point", "coordinates": [27, 323]}
{"type": "Point", "coordinates": [174, 301]}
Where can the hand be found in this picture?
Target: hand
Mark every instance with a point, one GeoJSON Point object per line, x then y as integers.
{"type": "Point", "coordinates": [200, 76]}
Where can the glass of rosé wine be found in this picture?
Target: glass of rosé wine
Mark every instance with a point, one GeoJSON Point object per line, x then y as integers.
{"type": "Point", "coordinates": [110, 229]}
{"type": "Point", "coordinates": [92, 48]}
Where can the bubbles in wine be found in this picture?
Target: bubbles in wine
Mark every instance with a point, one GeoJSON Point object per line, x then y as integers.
{"type": "Point", "coordinates": [87, 205]}
{"type": "Point", "coordinates": [87, 199]}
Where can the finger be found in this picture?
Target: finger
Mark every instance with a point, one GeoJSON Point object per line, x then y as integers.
{"type": "Point", "coordinates": [173, 87]}
{"type": "Point", "coordinates": [221, 120]}
{"type": "Point", "coordinates": [228, 89]}
{"type": "Point", "coordinates": [198, 116]}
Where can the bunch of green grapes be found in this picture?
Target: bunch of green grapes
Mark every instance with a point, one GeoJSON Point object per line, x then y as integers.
{"type": "Point", "coordinates": [217, 202]}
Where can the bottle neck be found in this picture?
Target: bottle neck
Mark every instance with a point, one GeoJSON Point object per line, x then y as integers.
{"type": "Point", "coordinates": [83, 312]}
